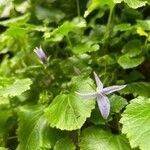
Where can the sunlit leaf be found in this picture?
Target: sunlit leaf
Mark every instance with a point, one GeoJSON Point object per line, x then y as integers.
{"type": "Point", "coordinates": [85, 47]}
{"type": "Point", "coordinates": [17, 88]}
{"type": "Point", "coordinates": [126, 62]}
{"type": "Point", "coordinates": [96, 4]}
{"type": "Point", "coordinates": [33, 132]}
{"type": "Point", "coordinates": [117, 103]}
{"type": "Point", "coordinates": [64, 144]}
{"type": "Point", "coordinates": [145, 24]}
{"type": "Point", "coordinates": [123, 27]}
{"type": "Point", "coordinates": [69, 111]}
{"type": "Point", "coordinates": [133, 3]}
{"type": "Point", "coordinates": [132, 48]}
{"type": "Point", "coordinates": [16, 21]}
{"type": "Point", "coordinates": [136, 121]}
{"type": "Point", "coordinates": [137, 88]}
{"type": "Point", "coordinates": [95, 138]}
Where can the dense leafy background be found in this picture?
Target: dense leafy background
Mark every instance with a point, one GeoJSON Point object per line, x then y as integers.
{"type": "Point", "coordinates": [39, 109]}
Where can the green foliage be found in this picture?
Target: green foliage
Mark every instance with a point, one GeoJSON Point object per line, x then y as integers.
{"type": "Point", "coordinates": [136, 119]}
{"type": "Point", "coordinates": [134, 3]}
{"type": "Point", "coordinates": [39, 107]}
{"type": "Point", "coordinates": [64, 144]}
{"type": "Point", "coordinates": [126, 62]}
{"type": "Point", "coordinates": [16, 88]}
{"type": "Point", "coordinates": [117, 103]}
{"type": "Point", "coordinates": [98, 139]}
{"type": "Point", "coordinates": [33, 131]}
{"type": "Point", "coordinates": [68, 111]}
{"type": "Point", "coordinates": [137, 88]}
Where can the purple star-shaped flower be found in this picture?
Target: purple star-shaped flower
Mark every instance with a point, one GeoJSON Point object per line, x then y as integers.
{"type": "Point", "coordinates": [101, 95]}
{"type": "Point", "coordinates": [40, 53]}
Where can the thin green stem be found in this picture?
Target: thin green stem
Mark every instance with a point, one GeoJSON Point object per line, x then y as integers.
{"type": "Point", "coordinates": [110, 18]}
{"type": "Point", "coordinates": [109, 23]}
{"type": "Point", "coordinates": [78, 8]}
{"type": "Point", "coordinates": [69, 42]}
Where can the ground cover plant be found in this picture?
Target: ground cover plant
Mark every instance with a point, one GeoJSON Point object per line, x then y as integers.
{"type": "Point", "coordinates": [74, 74]}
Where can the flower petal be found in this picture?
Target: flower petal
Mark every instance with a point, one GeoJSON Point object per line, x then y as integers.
{"type": "Point", "coordinates": [98, 82]}
{"type": "Point", "coordinates": [88, 95]}
{"type": "Point", "coordinates": [104, 105]}
{"type": "Point", "coordinates": [112, 89]}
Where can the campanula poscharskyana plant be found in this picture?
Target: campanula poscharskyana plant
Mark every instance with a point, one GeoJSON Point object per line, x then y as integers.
{"type": "Point", "coordinates": [101, 95]}
{"type": "Point", "coordinates": [41, 54]}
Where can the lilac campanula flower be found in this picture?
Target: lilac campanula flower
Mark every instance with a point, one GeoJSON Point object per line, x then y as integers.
{"type": "Point", "coordinates": [40, 53]}
{"type": "Point", "coordinates": [101, 95]}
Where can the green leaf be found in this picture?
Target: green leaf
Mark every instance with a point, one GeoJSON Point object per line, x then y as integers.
{"type": "Point", "coordinates": [4, 122]}
{"type": "Point", "coordinates": [67, 26]}
{"type": "Point", "coordinates": [133, 3]}
{"type": "Point", "coordinates": [144, 24]}
{"type": "Point", "coordinates": [16, 31]}
{"type": "Point", "coordinates": [136, 122]}
{"type": "Point", "coordinates": [85, 47]}
{"type": "Point", "coordinates": [137, 88]}
{"type": "Point", "coordinates": [117, 103]}
{"type": "Point", "coordinates": [16, 21]}
{"type": "Point", "coordinates": [3, 148]}
{"type": "Point", "coordinates": [64, 144]}
{"type": "Point", "coordinates": [96, 117]}
{"type": "Point", "coordinates": [68, 111]}
{"type": "Point", "coordinates": [17, 88]}
{"type": "Point", "coordinates": [33, 131]}
{"type": "Point", "coordinates": [126, 62]}
{"type": "Point", "coordinates": [4, 101]}
{"type": "Point", "coordinates": [96, 4]}
{"type": "Point", "coordinates": [97, 139]}
{"type": "Point", "coordinates": [132, 48]}
{"type": "Point", "coordinates": [106, 60]}
{"type": "Point", "coordinates": [123, 27]}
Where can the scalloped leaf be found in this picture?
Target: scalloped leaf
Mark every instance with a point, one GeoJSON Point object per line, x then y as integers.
{"type": "Point", "coordinates": [117, 103]}
{"type": "Point", "coordinates": [132, 48]}
{"type": "Point", "coordinates": [21, 20]}
{"type": "Point", "coordinates": [97, 139]}
{"type": "Point", "coordinates": [133, 3]}
{"type": "Point", "coordinates": [68, 111]}
{"type": "Point", "coordinates": [85, 47]}
{"type": "Point", "coordinates": [67, 26]}
{"type": "Point", "coordinates": [126, 62]}
{"type": "Point", "coordinates": [145, 24]}
{"type": "Point", "coordinates": [64, 144]}
{"type": "Point", "coordinates": [33, 132]}
{"type": "Point", "coordinates": [16, 88]}
{"type": "Point", "coordinates": [136, 122]}
{"type": "Point", "coordinates": [137, 88]}
{"type": "Point", "coordinates": [96, 4]}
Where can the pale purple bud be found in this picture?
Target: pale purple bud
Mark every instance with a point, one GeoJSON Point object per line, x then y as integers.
{"type": "Point", "coordinates": [40, 53]}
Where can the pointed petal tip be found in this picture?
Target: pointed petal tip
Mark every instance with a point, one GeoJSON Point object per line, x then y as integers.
{"type": "Point", "coordinates": [98, 81]}
{"type": "Point", "coordinates": [105, 117]}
